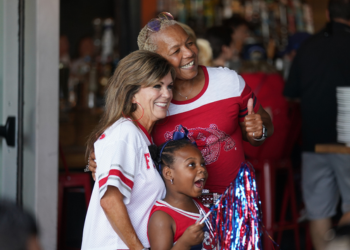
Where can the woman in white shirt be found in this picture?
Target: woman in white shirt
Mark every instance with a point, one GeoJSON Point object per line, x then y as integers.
{"type": "Point", "coordinates": [127, 183]}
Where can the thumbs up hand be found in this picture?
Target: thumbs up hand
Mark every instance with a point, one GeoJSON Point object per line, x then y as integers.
{"type": "Point", "coordinates": [253, 122]}
{"type": "Point", "coordinates": [250, 106]}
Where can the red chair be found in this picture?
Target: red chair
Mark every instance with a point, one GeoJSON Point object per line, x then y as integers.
{"type": "Point", "coordinates": [74, 182]}
{"type": "Point", "coordinates": [267, 170]}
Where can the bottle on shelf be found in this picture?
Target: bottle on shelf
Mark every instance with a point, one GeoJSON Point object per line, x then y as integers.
{"type": "Point", "coordinates": [97, 27]}
{"type": "Point", "coordinates": [108, 56]}
{"type": "Point", "coordinates": [107, 41]}
{"type": "Point", "coordinates": [270, 19]}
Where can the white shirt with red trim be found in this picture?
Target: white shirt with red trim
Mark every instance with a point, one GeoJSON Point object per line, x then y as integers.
{"type": "Point", "coordinates": [123, 161]}
{"type": "Point", "coordinates": [212, 118]}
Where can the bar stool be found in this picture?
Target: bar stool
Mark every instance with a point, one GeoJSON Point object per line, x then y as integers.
{"type": "Point", "coordinates": [268, 170]}
{"type": "Point", "coordinates": [74, 182]}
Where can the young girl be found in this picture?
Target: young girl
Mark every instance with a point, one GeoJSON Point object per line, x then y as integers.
{"type": "Point", "coordinates": [174, 221]}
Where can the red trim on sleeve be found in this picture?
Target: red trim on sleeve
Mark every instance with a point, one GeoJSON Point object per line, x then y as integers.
{"type": "Point", "coordinates": [256, 105]}
{"type": "Point", "coordinates": [244, 112]}
{"type": "Point", "coordinates": [206, 83]}
{"type": "Point", "coordinates": [116, 172]}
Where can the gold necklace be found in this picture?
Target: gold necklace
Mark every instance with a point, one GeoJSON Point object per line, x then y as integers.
{"type": "Point", "coordinates": [188, 92]}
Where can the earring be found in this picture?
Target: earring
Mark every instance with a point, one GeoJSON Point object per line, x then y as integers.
{"type": "Point", "coordinates": [172, 181]}
{"type": "Point", "coordinates": [143, 111]}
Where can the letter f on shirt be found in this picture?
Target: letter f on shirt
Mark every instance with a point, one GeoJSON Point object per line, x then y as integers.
{"type": "Point", "coordinates": [148, 160]}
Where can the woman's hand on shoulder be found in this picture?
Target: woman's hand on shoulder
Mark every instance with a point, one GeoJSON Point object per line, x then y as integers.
{"type": "Point", "coordinates": [92, 164]}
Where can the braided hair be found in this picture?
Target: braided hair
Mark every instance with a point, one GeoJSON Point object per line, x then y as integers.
{"type": "Point", "coordinates": [166, 157]}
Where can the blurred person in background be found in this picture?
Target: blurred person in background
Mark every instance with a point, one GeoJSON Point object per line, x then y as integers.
{"type": "Point", "coordinates": [320, 65]}
{"type": "Point", "coordinates": [241, 31]}
{"type": "Point", "coordinates": [18, 229]}
{"type": "Point", "coordinates": [267, 84]}
{"type": "Point", "coordinates": [222, 45]}
{"type": "Point", "coordinates": [205, 53]}
{"type": "Point", "coordinates": [294, 42]}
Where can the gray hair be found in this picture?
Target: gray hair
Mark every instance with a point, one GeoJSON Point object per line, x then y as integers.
{"type": "Point", "coordinates": [145, 40]}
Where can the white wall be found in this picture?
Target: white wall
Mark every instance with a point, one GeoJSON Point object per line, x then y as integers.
{"type": "Point", "coordinates": [8, 92]}
{"type": "Point", "coordinates": [41, 115]}
{"type": "Point", "coordinates": [40, 179]}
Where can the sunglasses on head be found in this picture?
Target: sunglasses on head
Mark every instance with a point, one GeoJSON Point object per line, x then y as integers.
{"type": "Point", "coordinates": [155, 23]}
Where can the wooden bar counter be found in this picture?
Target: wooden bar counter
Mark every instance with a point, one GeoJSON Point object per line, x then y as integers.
{"type": "Point", "coordinates": [332, 148]}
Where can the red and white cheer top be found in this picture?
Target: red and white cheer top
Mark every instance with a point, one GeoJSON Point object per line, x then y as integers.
{"type": "Point", "coordinates": [212, 118]}
{"type": "Point", "coordinates": [184, 219]}
{"type": "Point", "coordinates": [124, 162]}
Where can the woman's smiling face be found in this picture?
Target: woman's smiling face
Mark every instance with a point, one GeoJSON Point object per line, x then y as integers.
{"type": "Point", "coordinates": [155, 100]}
{"type": "Point", "coordinates": [179, 49]}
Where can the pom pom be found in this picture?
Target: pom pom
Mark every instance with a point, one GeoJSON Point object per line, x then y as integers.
{"type": "Point", "coordinates": [236, 216]}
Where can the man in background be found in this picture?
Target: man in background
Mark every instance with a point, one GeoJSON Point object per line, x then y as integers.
{"type": "Point", "coordinates": [241, 32]}
{"type": "Point", "coordinates": [294, 42]}
{"type": "Point", "coordinates": [322, 64]}
{"type": "Point", "coordinates": [221, 43]}
{"type": "Point", "coordinates": [18, 230]}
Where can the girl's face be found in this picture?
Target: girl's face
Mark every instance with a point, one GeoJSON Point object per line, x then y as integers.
{"type": "Point", "coordinates": [189, 171]}
{"type": "Point", "coordinates": [179, 49]}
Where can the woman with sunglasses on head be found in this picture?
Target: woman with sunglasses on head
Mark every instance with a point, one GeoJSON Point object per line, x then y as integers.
{"type": "Point", "coordinates": [214, 104]}
{"type": "Point", "coordinates": [127, 183]}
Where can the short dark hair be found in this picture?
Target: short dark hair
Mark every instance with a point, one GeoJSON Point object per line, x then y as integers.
{"type": "Point", "coordinates": [16, 226]}
{"type": "Point", "coordinates": [235, 21]}
{"type": "Point", "coordinates": [217, 37]}
{"type": "Point", "coordinates": [339, 9]}
{"type": "Point", "coordinates": [167, 156]}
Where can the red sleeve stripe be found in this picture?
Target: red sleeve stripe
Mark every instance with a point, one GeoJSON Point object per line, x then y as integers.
{"type": "Point", "coordinates": [118, 173]}
{"type": "Point", "coordinates": [255, 99]}
{"type": "Point", "coordinates": [243, 115]}
{"type": "Point", "coordinates": [244, 112]}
